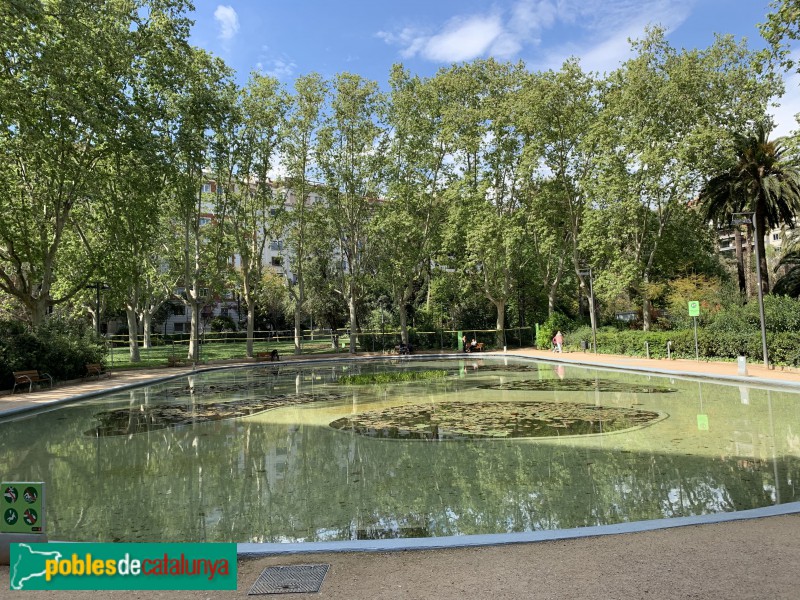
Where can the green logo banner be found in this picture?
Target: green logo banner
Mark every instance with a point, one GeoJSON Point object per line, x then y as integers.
{"type": "Point", "coordinates": [84, 566]}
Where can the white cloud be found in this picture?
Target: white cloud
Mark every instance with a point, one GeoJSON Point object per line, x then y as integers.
{"type": "Point", "coordinates": [609, 25]}
{"type": "Point", "coordinates": [463, 39]}
{"type": "Point", "coordinates": [228, 22]}
{"type": "Point", "coordinates": [600, 30]}
{"type": "Point", "coordinates": [279, 67]}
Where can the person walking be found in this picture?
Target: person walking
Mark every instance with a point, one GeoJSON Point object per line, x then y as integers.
{"type": "Point", "coordinates": [559, 341]}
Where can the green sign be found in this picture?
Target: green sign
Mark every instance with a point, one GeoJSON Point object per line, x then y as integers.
{"type": "Point", "coordinates": [702, 422]}
{"type": "Point", "coordinates": [86, 566]}
{"type": "Point", "coordinates": [22, 507]}
{"type": "Point", "coordinates": [694, 308]}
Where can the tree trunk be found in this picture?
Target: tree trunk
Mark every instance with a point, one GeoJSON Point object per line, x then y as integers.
{"type": "Point", "coordinates": [500, 305]}
{"type": "Point", "coordinates": [351, 302]}
{"type": "Point", "coordinates": [762, 251]}
{"type": "Point", "coordinates": [298, 331]}
{"type": "Point", "coordinates": [737, 242]}
{"type": "Point", "coordinates": [194, 336]}
{"type": "Point", "coordinates": [552, 293]}
{"type": "Point", "coordinates": [646, 315]}
{"type": "Point", "coordinates": [402, 310]}
{"type": "Point", "coordinates": [133, 330]}
{"type": "Point", "coordinates": [147, 321]}
{"type": "Point", "coordinates": [251, 323]}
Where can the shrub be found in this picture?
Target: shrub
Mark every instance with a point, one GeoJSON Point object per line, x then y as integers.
{"type": "Point", "coordinates": [222, 323]}
{"type": "Point", "coordinates": [555, 322]}
{"type": "Point", "coordinates": [59, 347]}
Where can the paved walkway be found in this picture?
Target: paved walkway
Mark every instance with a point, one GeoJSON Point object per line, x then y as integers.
{"type": "Point", "coordinates": [739, 560]}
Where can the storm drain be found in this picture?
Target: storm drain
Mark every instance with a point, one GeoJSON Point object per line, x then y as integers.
{"type": "Point", "coordinates": [289, 579]}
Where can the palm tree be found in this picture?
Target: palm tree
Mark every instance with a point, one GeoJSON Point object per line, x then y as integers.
{"type": "Point", "coordinates": [789, 283]}
{"type": "Point", "coordinates": [763, 180]}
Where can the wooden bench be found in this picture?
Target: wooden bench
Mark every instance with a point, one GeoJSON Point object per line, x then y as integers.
{"type": "Point", "coordinates": [95, 369]}
{"type": "Point", "coordinates": [29, 378]}
{"type": "Point", "coordinates": [476, 348]}
{"type": "Point", "coordinates": [271, 356]}
{"type": "Point", "coordinates": [174, 361]}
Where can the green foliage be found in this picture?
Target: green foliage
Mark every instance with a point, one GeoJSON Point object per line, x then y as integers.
{"type": "Point", "coordinates": [222, 323]}
{"type": "Point", "coordinates": [382, 378]}
{"type": "Point", "coordinates": [781, 314]}
{"type": "Point", "coordinates": [555, 322]}
{"type": "Point", "coordinates": [58, 347]}
{"type": "Point", "coordinates": [784, 347]}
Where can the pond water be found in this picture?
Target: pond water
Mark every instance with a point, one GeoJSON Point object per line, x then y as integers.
{"type": "Point", "coordinates": [286, 453]}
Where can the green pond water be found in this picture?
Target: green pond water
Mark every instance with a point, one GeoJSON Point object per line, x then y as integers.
{"type": "Point", "coordinates": [287, 453]}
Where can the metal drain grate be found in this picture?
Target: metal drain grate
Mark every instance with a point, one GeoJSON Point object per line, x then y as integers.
{"type": "Point", "coordinates": [289, 579]}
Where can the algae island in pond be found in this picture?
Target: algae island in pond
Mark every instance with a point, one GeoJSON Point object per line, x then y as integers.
{"type": "Point", "coordinates": [474, 420]}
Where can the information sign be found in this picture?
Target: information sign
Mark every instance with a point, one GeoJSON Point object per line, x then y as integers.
{"type": "Point", "coordinates": [694, 308]}
{"type": "Point", "coordinates": [22, 507]}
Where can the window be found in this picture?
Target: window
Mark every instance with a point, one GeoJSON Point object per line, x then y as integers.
{"type": "Point", "coordinates": [206, 188]}
{"type": "Point", "coordinates": [178, 310]}
{"type": "Point", "coordinates": [277, 261]}
{"type": "Point", "coordinates": [776, 236]}
{"type": "Point", "coordinates": [178, 327]}
{"type": "Point", "coordinates": [203, 292]}
{"type": "Point", "coordinates": [276, 245]}
{"type": "Point", "coordinates": [224, 311]}
{"type": "Point", "coordinates": [202, 221]}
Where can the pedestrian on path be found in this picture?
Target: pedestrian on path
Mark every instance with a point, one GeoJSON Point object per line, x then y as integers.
{"type": "Point", "coordinates": [558, 340]}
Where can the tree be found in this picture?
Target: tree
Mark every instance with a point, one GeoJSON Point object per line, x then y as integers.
{"type": "Point", "coordinates": [763, 180]}
{"type": "Point", "coordinates": [559, 110]}
{"type": "Point", "coordinates": [350, 155]}
{"type": "Point", "coordinates": [789, 283]}
{"type": "Point", "coordinates": [69, 82]}
{"type": "Point", "coordinates": [245, 156]}
{"type": "Point", "coordinates": [298, 153]}
{"type": "Point", "coordinates": [198, 250]}
{"type": "Point", "coordinates": [408, 222]}
{"type": "Point", "coordinates": [486, 221]}
{"type": "Point", "coordinates": [663, 116]}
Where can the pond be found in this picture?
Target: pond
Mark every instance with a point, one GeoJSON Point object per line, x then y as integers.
{"type": "Point", "coordinates": [402, 448]}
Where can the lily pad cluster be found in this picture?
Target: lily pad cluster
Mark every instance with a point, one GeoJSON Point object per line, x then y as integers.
{"type": "Point", "coordinates": [504, 369]}
{"type": "Point", "coordinates": [384, 378]}
{"type": "Point", "coordinates": [475, 420]}
{"type": "Point", "coordinates": [127, 421]}
{"type": "Point", "coordinates": [578, 385]}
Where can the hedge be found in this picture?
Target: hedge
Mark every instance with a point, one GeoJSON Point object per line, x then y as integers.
{"type": "Point", "coordinates": [59, 348]}
{"type": "Point", "coordinates": [783, 347]}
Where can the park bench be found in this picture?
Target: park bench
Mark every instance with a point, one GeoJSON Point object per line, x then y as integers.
{"type": "Point", "coordinates": [476, 348]}
{"type": "Point", "coordinates": [29, 378]}
{"type": "Point", "coordinates": [263, 356]}
{"type": "Point", "coordinates": [95, 369]}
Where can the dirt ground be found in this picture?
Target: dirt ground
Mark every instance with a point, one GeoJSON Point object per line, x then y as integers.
{"type": "Point", "coordinates": [739, 560]}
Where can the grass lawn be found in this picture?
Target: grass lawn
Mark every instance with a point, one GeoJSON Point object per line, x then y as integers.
{"type": "Point", "coordinates": [119, 357]}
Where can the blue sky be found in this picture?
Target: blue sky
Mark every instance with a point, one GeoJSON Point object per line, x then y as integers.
{"type": "Point", "coordinates": [287, 39]}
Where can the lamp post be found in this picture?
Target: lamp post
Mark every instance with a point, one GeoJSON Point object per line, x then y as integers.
{"type": "Point", "coordinates": [97, 286]}
{"type": "Point", "coordinates": [591, 307]}
{"type": "Point", "coordinates": [747, 219]}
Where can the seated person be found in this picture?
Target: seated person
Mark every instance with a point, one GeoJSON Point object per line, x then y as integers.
{"type": "Point", "coordinates": [472, 345]}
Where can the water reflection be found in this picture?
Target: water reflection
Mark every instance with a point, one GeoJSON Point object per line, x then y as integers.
{"type": "Point", "coordinates": [285, 475]}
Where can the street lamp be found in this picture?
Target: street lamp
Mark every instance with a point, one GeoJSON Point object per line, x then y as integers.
{"type": "Point", "coordinates": [747, 219]}
{"type": "Point", "coordinates": [97, 286]}
{"type": "Point", "coordinates": [591, 307]}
